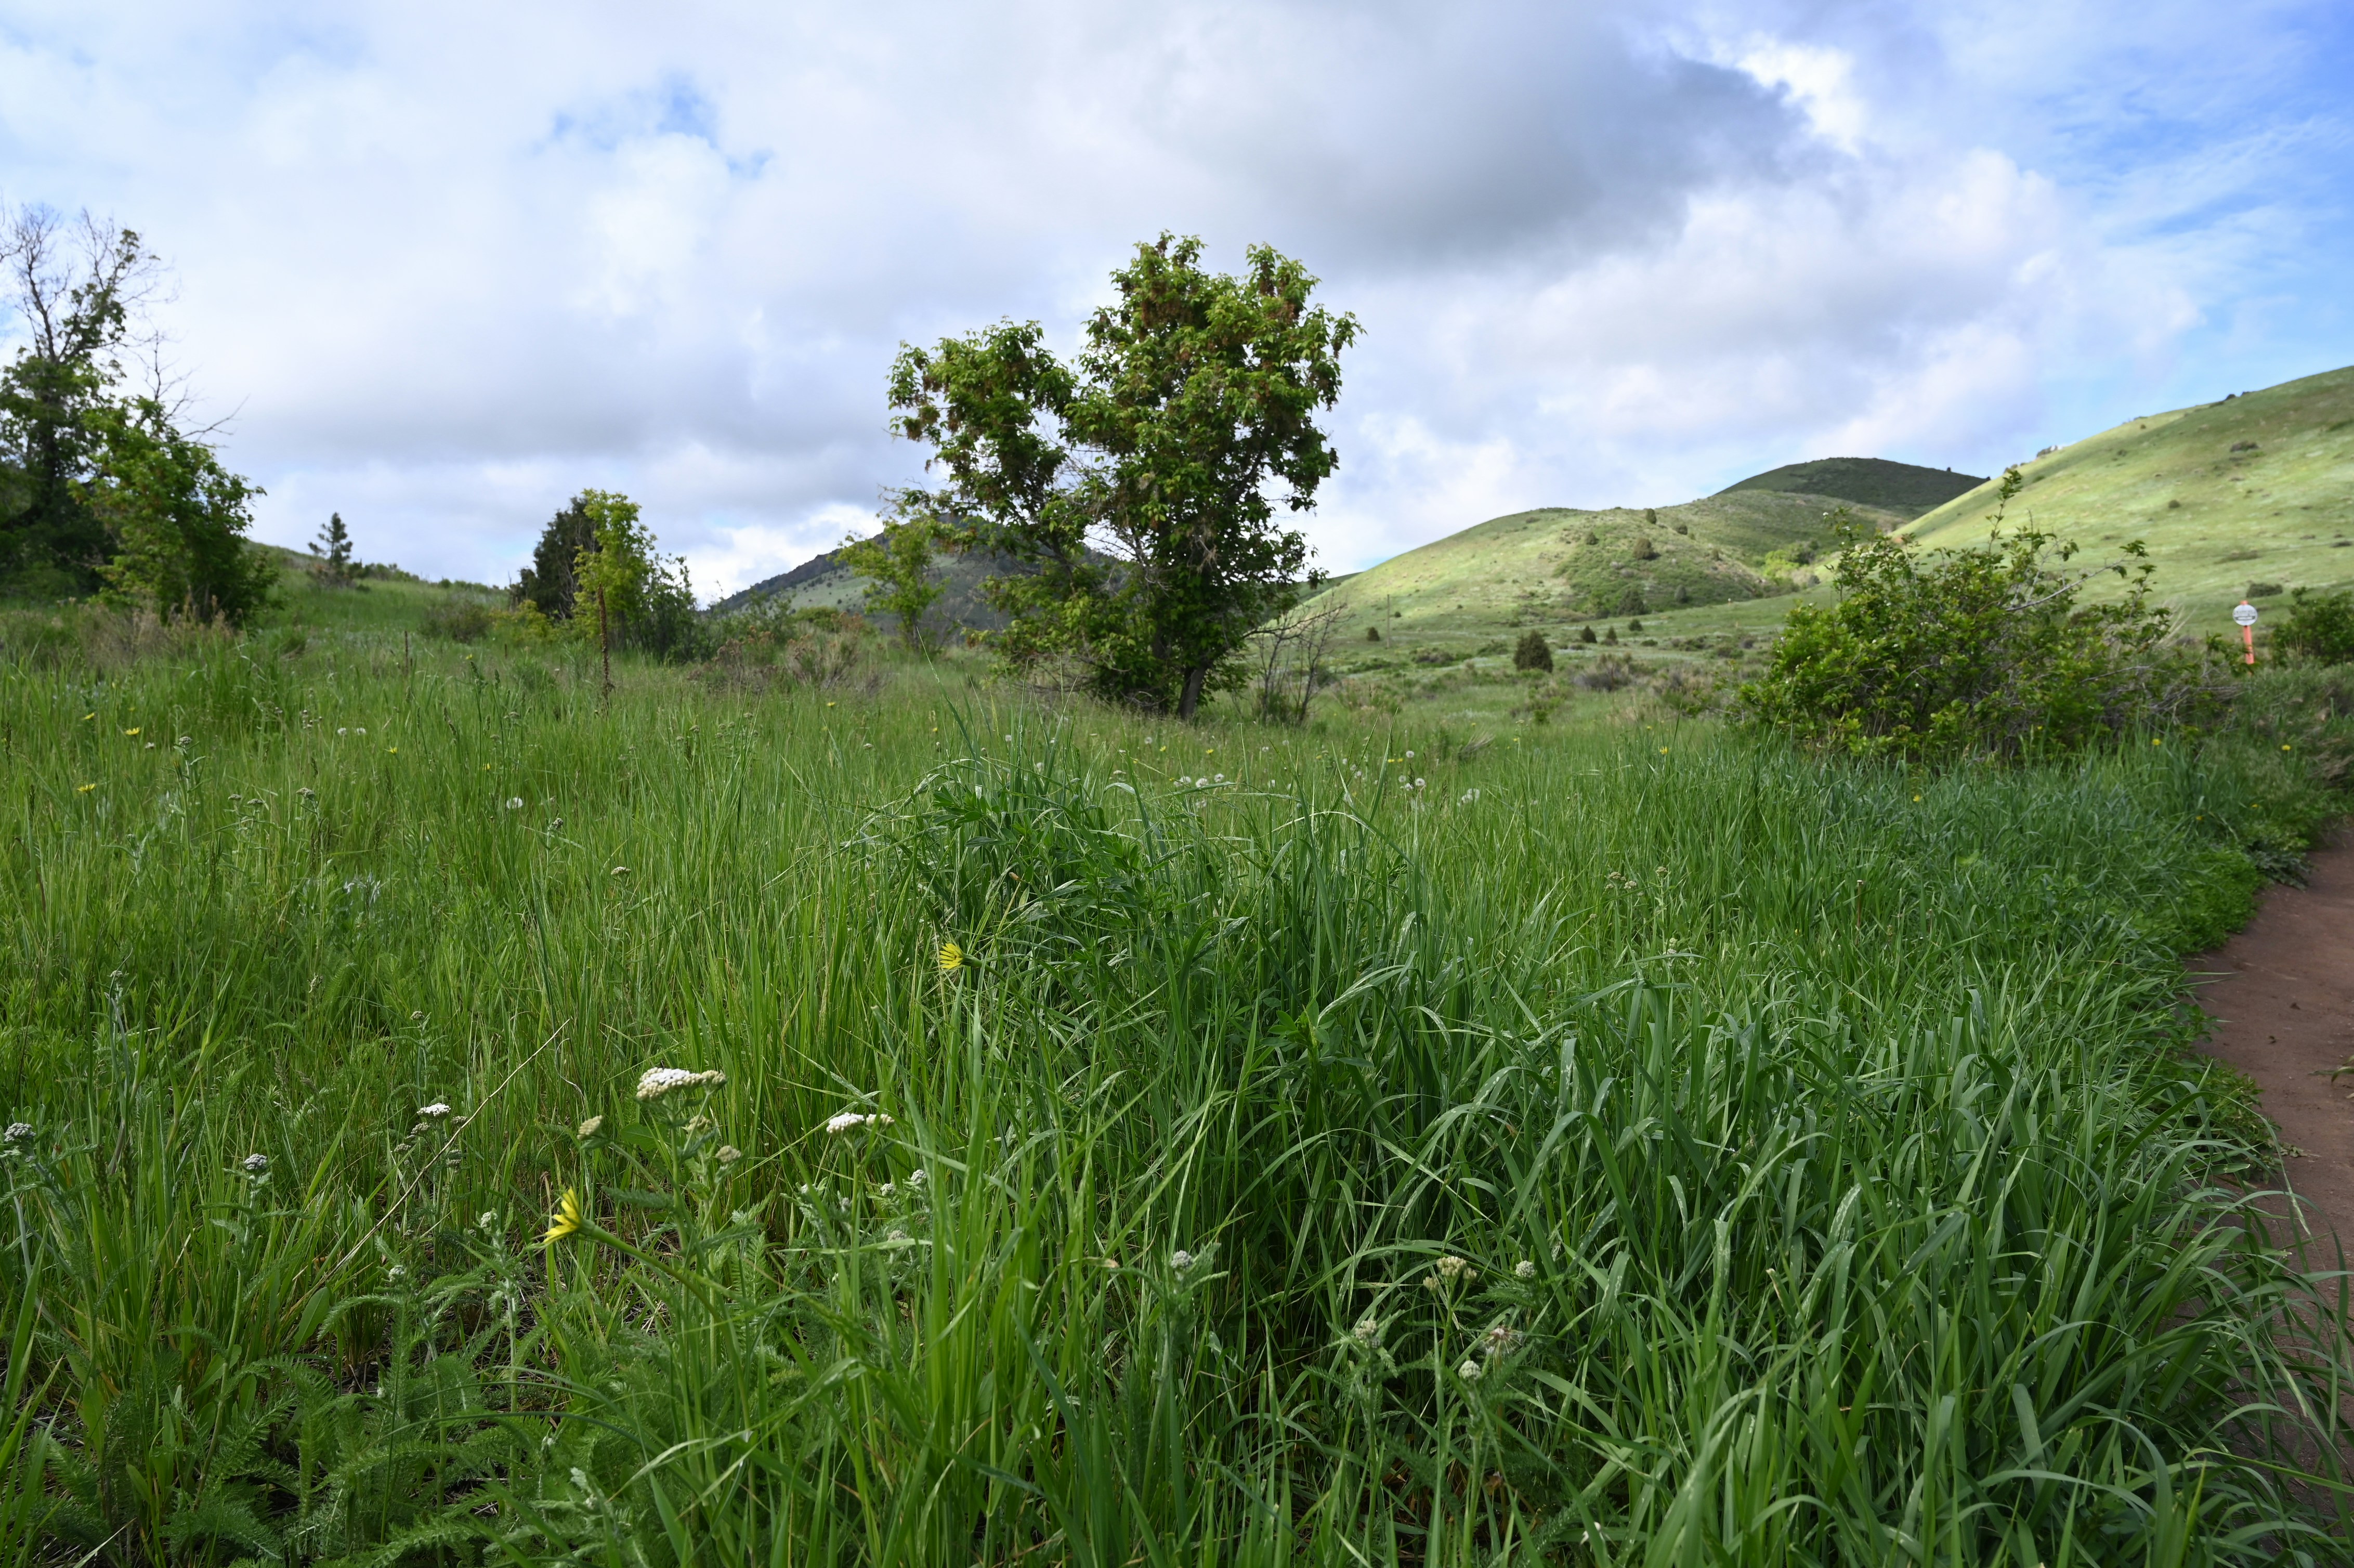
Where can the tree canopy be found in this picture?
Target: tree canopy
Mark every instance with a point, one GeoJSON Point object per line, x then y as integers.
{"type": "Point", "coordinates": [1140, 485]}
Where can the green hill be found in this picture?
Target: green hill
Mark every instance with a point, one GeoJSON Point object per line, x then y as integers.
{"type": "Point", "coordinates": [2253, 495]}
{"type": "Point", "coordinates": [823, 581]}
{"type": "Point", "coordinates": [1559, 564]}
{"type": "Point", "coordinates": [1902, 488]}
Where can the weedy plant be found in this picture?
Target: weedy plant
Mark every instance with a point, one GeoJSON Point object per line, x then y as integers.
{"type": "Point", "coordinates": [467, 1121]}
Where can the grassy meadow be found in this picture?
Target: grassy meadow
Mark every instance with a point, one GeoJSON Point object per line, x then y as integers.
{"type": "Point", "coordinates": [1394, 1141]}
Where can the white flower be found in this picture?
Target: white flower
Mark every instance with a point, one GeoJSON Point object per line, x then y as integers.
{"type": "Point", "coordinates": [1368, 1331]}
{"type": "Point", "coordinates": [589, 1128]}
{"type": "Point", "coordinates": [1501, 1341]}
{"type": "Point", "coordinates": [1524, 1270]}
{"type": "Point", "coordinates": [1469, 796]}
{"type": "Point", "coordinates": [396, 1272]}
{"type": "Point", "coordinates": [255, 1164]}
{"type": "Point", "coordinates": [915, 1178]}
{"type": "Point", "coordinates": [514, 802]}
{"type": "Point", "coordinates": [845, 1120]}
{"type": "Point", "coordinates": [1468, 1372]}
{"type": "Point", "coordinates": [1419, 783]}
{"type": "Point", "coordinates": [727, 1154]}
{"type": "Point", "coordinates": [486, 1221]}
{"type": "Point", "coordinates": [897, 1236]}
{"type": "Point", "coordinates": [19, 1129]}
{"type": "Point", "coordinates": [656, 1082]}
{"type": "Point", "coordinates": [1453, 1268]}
{"type": "Point", "coordinates": [1182, 1260]}
{"type": "Point", "coordinates": [890, 1190]}
{"type": "Point", "coordinates": [436, 1111]}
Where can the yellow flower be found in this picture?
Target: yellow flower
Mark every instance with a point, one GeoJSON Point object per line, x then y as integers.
{"type": "Point", "coordinates": [952, 958]}
{"type": "Point", "coordinates": [391, 749]}
{"type": "Point", "coordinates": [84, 789]}
{"type": "Point", "coordinates": [567, 1218]}
{"type": "Point", "coordinates": [131, 732]}
{"type": "Point", "coordinates": [87, 718]}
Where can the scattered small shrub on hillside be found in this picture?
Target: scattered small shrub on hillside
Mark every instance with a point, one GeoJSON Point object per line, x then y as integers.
{"type": "Point", "coordinates": [1592, 537]}
{"type": "Point", "coordinates": [1644, 550]}
{"type": "Point", "coordinates": [1585, 634]}
{"type": "Point", "coordinates": [1608, 673]}
{"type": "Point", "coordinates": [459, 619]}
{"type": "Point", "coordinates": [2265, 590]}
{"type": "Point", "coordinates": [1609, 635]}
{"type": "Point", "coordinates": [1533, 653]}
{"type": "Point", "coordinates": [1684, 528]}
{"type": "Point", "coordinates": [1631, 602]}
{"type": "Point", "coordinates": [1980, 652]}
{"type": "Point", "coordinates": [1373, 634]}
{"type": "Point", "coordinates": [1634, 627]}
{"type": "Point", "coordinates": [2320, 627]}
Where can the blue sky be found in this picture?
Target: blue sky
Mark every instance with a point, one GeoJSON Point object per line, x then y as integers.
{"type": "Point", "coordinates": [444, 265]}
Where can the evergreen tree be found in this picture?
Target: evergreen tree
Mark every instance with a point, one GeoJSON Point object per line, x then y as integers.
{"type": "Point", "coordinates": [335, 566]}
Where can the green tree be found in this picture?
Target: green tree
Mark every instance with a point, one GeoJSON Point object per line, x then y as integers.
{"type": "Point", "coordinates": [1134, 489]}
{"type": "Point", "coordinates": [897, 560]}
{"type": "Point", "coordinates": [77, 291]}
{"type": "Point", "coordinates": [1533, 652]}
{"type": "Point", "coordinates": [332, 548]}
{"type": "Point", "coordinates": [175, 517]}
{"type": "Point", "coordinates": [549, 582]}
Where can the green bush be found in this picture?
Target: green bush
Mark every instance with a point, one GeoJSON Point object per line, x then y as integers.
{"type": "Point", "coordinates": [1982, 651]}
{"type": "Point", "coordinates": [1533, 653]}
{"type": "Point", "coordinates": [2320, 627]}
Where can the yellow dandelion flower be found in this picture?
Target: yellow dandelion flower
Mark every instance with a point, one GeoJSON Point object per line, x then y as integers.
{"type": "Point", "coordinates": [84, 789]}
{"type": "Point", "coordinates": [567, 1218]}
{"type": "Point", "coordinates": [952, 958]}
{"type": "Point", "coordinates": [87, 718]}
{"type": "Point", "coordinates": [132, 732]}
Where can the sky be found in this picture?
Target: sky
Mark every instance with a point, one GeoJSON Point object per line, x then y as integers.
{"type": "Point", "coordinates": [438, 266]}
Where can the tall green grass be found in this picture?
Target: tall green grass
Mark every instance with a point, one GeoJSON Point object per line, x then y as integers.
{"type": "Point", "coordinates": [1629, 1146]}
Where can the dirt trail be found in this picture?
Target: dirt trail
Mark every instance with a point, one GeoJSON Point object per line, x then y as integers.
{"type": "Point", "coordinates": [2284, 1006]}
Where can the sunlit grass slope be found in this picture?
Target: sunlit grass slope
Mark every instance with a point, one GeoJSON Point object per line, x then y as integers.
{"type": "Point", "coordinates": [1338, 1147]}
{"type": "Point", "coordinates": [1539, 569]}
{"type": "Point", "coordinates": [2255, 491]}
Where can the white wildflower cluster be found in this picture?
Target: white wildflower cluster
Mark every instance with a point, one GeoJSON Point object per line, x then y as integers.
{"type": "Point", "coordinates": [1180, 1260]}
{"type": "Point", "coordinates": [846, 1121]}
{"type": "Point", "coordinates": [1452, 1268]}
{"type": "Point", "coordinates": [589, 1128]}
{"type": "Point", "coordinates": [435, 1111]}
{"type": "Point", "coordinates": [727, 1154]}
{"type": "Point", "coordinates": [656, 1082]}
{"type": "Point", "coordinates": [514, 802]}
{"type": "Point", "coordinates": [1467, 797]}
{"type": "Point", "coordinates": [18, 1131]}
{"type": "Point", "coordinates": [1470, 1372]}
{"type": "Point", "coordinates": [1368, 1332]}
{"type": "Point", "coordinates": [1524, 1270]}
{"type": "Point", "coordinates": [255, 1164]}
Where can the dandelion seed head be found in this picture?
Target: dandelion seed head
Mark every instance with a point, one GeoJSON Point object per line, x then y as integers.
{"type": "Point", "coordinates": [1501, 1341]}
{"type": "Point", "coordinates": [514, 802]}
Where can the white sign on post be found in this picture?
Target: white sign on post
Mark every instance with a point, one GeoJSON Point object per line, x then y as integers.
{"type": "Point", "coordinates": [2246, 614]}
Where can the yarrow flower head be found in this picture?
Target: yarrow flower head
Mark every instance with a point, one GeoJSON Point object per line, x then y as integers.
{"type": "Point", "coordinates": [1368, 1331]}
{"type": "Point", "coordinates": [19, 1130]}
{"type": "Point", "coordinates": [589, 1128]}
{"type": "Point", "coordinates": [656, 1082]}
{"type": "Point", "coordinates": [1524, 1270]}
{"type": "Point", "coordinates": [435, 1111]}
{"type": "Point", "coordinates": [727, 1154]}
{"type": "Point", "coordinates": [1453, 1268]}
{"type": "Point", "coordinates": [255, 1164]}
{"type": "Point", "coordinates": [952, 958]}
{"type": "Point", "coordinates": [846, 1120]}
{"type": "Point", "coordinates": [1468, 1372]}
{"type": "Point", "coordinates": [566, 1219]}
{"type": "Point", "coordinates": [1180, 1260]}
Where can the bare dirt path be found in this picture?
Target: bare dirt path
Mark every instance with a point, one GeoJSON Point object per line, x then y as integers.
{"type": "Point", "coordinates": [2283, 1001]}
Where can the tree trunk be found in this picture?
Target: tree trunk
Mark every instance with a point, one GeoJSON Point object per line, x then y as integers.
{"type": "Point", "coordinates": [1192, 697]}
{"type": "Point", "coordinates": [605, 640]}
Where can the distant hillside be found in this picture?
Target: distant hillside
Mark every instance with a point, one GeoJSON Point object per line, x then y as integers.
{"type": "Point", "coordinates": [2252, 495]}
{"type": "Point", "coordinates": [1899, 487]}
{"type": "Point", "coordinates": [1558, 564]}
{"type": "Point", "coordinates": [824, 581]}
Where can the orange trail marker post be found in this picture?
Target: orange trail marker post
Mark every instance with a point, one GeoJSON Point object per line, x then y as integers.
{"type": "Point", "coordinates": [2246, 616]}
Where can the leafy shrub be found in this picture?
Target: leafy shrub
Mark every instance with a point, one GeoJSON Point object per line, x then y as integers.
{"type": "Point", "coordinates": [1644, 550]}
{"type": "Point", "coordinates": [1533, 653]}
{"type": "Point", "coordinates": [1979, 651]}
{"type": "Point", "coordinates": [1585, 634]}
{"type": "Point", "coordinates": [1608, 673]}
{"type": "Point", "coordinates": [2320, 627]}
{"type": "Point", "coordinates": [459, 619]}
